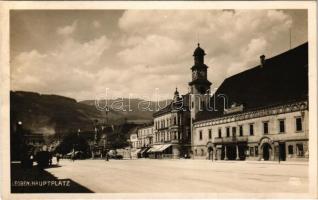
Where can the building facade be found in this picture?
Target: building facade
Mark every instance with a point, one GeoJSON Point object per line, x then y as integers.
{"type": "Point", "coordinates": [172, 129]}
{"type": "Point", "coordinates": [144, 139]}
{"type": "Point", "coordinates": [258, 114]}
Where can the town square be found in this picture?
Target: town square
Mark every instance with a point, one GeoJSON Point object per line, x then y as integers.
{"type": "Point", "coordinates": [128, 101]}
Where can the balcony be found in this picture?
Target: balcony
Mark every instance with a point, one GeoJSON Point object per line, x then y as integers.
{"type": "Point", "coordinates": [231, 139]}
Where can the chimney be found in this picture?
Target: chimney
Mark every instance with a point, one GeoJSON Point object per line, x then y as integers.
{"type": "Point", "coordinates": [262, 58]}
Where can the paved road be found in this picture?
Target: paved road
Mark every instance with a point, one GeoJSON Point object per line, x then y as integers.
{"type": "Point", "coordinates": [184, 176]}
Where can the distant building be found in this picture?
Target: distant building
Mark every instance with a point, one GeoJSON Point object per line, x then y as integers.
{"type": "Point", "coordinates": [258, 114]}
{"type": "Point", "coordinates": [133, 140]}
{"type": "Point", "coordinates": [145, 135]}
{"type": "Point", "coordinates": [172, 129]}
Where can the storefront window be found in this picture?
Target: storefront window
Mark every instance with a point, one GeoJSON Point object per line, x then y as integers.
{"type": "Point", "coordinates": [300, 149]}
{"type": "Point", "coordinates": [290, 149]}
{"type": "Point", "coordinates": [251, 151]}
{"type": "Point", "coordinates": [256, 151]}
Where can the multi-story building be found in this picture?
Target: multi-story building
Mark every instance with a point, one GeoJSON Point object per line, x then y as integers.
{"type": "Point", "coordinates": [144, 139]}
{"type": "Point", "coordinates": [258, 114]}
{"type": "Point", "coordinates": [133, 140]}
{"type": "Point", "coordinates": [172, 129]}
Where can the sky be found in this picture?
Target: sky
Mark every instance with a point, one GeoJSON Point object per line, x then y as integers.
{"type": "Point", "coordinates": [81, 53]}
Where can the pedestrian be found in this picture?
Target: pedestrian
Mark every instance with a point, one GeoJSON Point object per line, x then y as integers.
{"type": "Point", "coordinates": [107, 158]}
{"type": "Point", "coordinates": [57, 158]}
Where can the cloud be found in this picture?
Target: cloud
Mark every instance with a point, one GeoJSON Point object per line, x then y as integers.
{"type": "Point", "coordinates": [96, 24]}
{"type": "Point", "coordinates": [233, 40]}
{"type": "Point", "coordinates": [69, 68]}
{"type": "Point", "coordinates": [67, 30]}
{"type": "Point", "coordinates": [150, 49]}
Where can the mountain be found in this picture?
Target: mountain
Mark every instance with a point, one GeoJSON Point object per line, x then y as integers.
{"type": "Point", "coordinates": [131, 109]}
{"type": "Point", "coordinates": [50, 114]}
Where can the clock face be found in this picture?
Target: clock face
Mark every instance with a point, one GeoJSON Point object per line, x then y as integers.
{"type": "Point", "coordinates": [202, 74]}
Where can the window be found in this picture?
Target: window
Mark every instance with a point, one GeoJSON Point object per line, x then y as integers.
{"type": "Point", "coordinates": [251, 129]}
{"type": "Point", "coordinates": [227, 131]}
{"type": "Point", "coordinates": [220, 132]}
{"type": "Point", "coordinates": [202, 152]}
{"type": "Point", "coordinates": [281, 126]}
{"type": "Point", "coordinates": [299, 125]}
{"type": "Point", "coordinates": [210, 134]}
{"type": "Point", "coordinates": [196, 152]}
{"type": "Point", "coordinates": [290, 149]}
{"type": "Point", "coordinates": [234, 131]}
{"type": "Point", "coordinates": [200, 135]}
{"type": "Point", "coordinates": [192, 105]}
{"type": "Point", "coordinates": [300, 149]}
{"type": "Point", "coordinates": [251, 151]}
{"type": "Point", "coordinates": [256, 150]}
{"type": "Point", "coordinates": [265, 128]}
{"type": "Point", "coordinates": [241, 130]}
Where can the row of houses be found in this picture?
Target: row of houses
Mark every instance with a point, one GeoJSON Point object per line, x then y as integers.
{"type": "Point", "coordinates": [258, 114]}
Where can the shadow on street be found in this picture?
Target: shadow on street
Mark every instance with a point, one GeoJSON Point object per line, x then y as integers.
{"type": "Point", "coordinates": [34, 180]}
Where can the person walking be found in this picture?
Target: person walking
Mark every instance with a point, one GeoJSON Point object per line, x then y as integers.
{"type": "Point", "coordinates": [57, 159]}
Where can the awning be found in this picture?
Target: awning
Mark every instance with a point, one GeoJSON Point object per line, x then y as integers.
{"type": "Point", "coordinates": [159, 148]}
{"type": "Point", "coordinates": [136, 151]}
{"type": "Point", "coordinates": [144, 150]}
{"type": "Point", "coordinates": [154, 148]}
{"type": "Point", "coordinates": [164, 147]}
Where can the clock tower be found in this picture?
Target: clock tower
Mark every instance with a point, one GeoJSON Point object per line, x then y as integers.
{"type": "Point", "coordinates": [199, 86]}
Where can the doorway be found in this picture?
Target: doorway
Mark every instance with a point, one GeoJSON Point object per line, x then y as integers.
{"type": "Point", "coordinates": [266, 151]}
{"type": "Point", "coordinates": [282, 151]}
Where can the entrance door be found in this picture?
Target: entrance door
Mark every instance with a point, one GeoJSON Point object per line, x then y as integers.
{"type": "Point", "coordinates": [282, 151]}
{"type": "Point", "coordinates": [266, 151]}
{"type": "Point", "coordinates": [231, 152]}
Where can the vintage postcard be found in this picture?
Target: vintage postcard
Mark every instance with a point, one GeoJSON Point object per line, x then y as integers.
{"type": "Point", "coordinates": [158, 100]}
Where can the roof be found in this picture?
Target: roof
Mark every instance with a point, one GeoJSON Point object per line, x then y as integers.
{"type": "Point", "coordinates": [282, 79]}
{"type": "Point", "coordinates": [199, 51]}
{"type": "Point", "coordinates": [179, 105]}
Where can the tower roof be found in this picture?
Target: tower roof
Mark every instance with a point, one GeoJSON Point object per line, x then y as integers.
{"type": "Point", "coordinates": [199, 51]}
{"type": "Point", "coordinates": [176, 92]}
